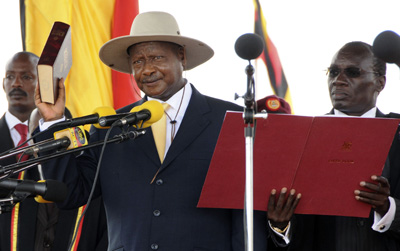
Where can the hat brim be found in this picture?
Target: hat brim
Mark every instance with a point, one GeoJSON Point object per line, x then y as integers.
{"type": "Point", "coordinates": [114, 53]}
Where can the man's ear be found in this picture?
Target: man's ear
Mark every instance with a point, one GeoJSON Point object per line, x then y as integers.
{"type": "Point", "coordinates": [381, 83]}
{"type": "Point", "coordinates": [4, 88]}
{"type": "Point", "coordinates": [182, 55]}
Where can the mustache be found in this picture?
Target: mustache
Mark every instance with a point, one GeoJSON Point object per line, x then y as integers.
{"type": "Point", "coordinates": [149, 79]}
{"type": "Point", "coordinates": [17, 91]}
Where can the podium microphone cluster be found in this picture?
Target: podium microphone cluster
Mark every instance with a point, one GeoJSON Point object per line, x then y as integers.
{"type": "Point", "coordinates": [89, 119]}
{"type": "Point", "coordinates": [103, 117]}
{"type": "Point", "coordinates": [147, 113]}
{"type": "Point", "coordinates": [74, 137]}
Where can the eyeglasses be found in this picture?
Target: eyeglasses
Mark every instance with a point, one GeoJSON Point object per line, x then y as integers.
{"type": "Point", "coordinates": [351, 72]}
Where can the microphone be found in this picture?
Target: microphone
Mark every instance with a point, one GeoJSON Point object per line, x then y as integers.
{"type": "Point", "coordinates": [386, 46]}
{"type": "Point", "coordinates": [149, 112]}
{"type": "Point", "coordinates": [65, 139]}
{"type": "Point", "coordinates": [249, 46]}
{"type": "Point", "coordinates": [155, 109]}
{"type": "Point", "coordinates": [89, 119]}
{"type": "Point", "coordinates": [107, 121]}
{"type": "Point", "coordinates": [49, 190]}
{"type": "Point", "coordinates": [48, 146]}
{"type": "Point", "coordinates": [77, 136]}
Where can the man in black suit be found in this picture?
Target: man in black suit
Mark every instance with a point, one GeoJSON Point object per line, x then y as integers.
{"type": "Point", "coordinates": [151, 189]}
{"type": "Point", "coordinates": [19, 84]}
{"type": "Point", "coordinates": [39, 227]}
{"type": "Point", "coordinates": [355, 79]}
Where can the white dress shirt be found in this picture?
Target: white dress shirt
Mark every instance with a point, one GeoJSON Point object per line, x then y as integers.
{"type": "Point", "coordinates": [178, 104]}
{"type": "Point", "coordinates": [12, 121]}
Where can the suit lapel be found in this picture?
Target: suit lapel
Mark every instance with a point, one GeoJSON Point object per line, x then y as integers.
{"type": "Point", "coordinates": [6, 141]}
{"type": "Point", "coordinates": [379, 114]}
{"type": "Point", "coordinates": [146, 141]}
{"type": "Point", "coordinates": [194, 122]}
{"type": "Point", "coordinates": [148, 146]}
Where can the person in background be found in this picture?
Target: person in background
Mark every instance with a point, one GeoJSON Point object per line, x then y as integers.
{"type": "Point", "coordinates": [39, 227]}
{"type": "Point", "coordinates": [355, 79]}
{"type": "Point", "coordinates": [19, 85]}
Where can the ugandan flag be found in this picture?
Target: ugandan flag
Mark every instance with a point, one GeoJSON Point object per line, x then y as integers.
{"type": "Point", "coordinates": [270, 57]}
{"type": "Point", "coordinates": [90, 83]}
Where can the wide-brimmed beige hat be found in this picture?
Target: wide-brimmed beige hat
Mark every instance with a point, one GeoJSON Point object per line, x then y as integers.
{"type": "Point", "coordinates": [148, 27]}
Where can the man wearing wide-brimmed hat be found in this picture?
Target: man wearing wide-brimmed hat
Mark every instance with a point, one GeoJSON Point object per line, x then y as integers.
{"type": "Point", "coordinates": [151, 185]}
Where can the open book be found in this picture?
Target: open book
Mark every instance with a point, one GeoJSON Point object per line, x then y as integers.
{"type": "Point", "coordinates": [323, 158]}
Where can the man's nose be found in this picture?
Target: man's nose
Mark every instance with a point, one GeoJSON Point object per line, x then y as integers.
{"type": "Point", "coordinates": [17, 82]}
{"type": "Point", "coordinates": [340, 79]}
{"type": "Point", "coordinates": [148, 68]}
{"type": "Point", "coordinates": [340, 83]}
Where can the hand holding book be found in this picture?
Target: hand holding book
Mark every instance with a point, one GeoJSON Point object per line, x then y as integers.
{"type": "Point", "coordinates": [55, 61]}
{"type": "Point", "coordinates": [54, 111]}
{"type": "Point", "coordinates": [323, 158]}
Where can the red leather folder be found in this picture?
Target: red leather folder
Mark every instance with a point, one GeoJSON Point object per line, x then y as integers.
{"type": "Point", "coordinates": [324, 158]}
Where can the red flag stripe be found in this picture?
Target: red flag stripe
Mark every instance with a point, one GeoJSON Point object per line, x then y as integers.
{"type": "Point", "coordinates": [124, 91]}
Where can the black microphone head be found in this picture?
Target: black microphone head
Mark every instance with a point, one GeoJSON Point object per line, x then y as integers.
{"type": "Point", "coordinates": [56, 191]}
{"type": "Point", "coordinates": [249, 46]}
{"type": "Point", "coordinates": [386, 46]}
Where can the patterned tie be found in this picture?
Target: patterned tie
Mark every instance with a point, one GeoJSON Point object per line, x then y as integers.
{"type": "Point", "coordinates": [159, 132]}
{"type": "Point", "coordinates": [23, 132]}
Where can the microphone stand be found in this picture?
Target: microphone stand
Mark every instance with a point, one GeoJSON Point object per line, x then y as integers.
{"type": "Point", "coordinates": [21, 166]}
{"type": "Point", "coordinates": [248, 116]}
{"type": "Point", "coordinates": [249, 46]}
{"type": "Point", "coordinates": [7, 204]}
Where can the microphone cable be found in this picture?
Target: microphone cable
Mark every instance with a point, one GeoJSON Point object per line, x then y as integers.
{"type": "Point", "coordinates": [94, 181]}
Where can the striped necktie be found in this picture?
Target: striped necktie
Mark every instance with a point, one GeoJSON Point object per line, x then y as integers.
{"type": "Point", "coordinates": [22, 129]}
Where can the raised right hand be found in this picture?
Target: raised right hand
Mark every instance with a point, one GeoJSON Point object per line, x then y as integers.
{"type": "Point", "coordinates": [48, 111]}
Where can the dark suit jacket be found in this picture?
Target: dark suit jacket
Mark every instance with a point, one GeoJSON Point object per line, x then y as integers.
{"type": "Point", "coordinates": [6, 141]}
{"type": "Point", "coordinates": [336, 233]}
{"type": "Point", "coordinates": [94, 229]}
{"type": "Point", "coordinates": [144, 216]}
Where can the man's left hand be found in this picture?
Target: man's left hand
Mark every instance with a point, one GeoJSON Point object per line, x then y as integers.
{"type": "Point", "coordinates": [378, 197]}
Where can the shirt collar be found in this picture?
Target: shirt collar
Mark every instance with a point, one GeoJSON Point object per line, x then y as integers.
{"type": "Point", "coordinates": [369, 114]}
{"type": "Point", "coordinates": [175, 101]}
{"type": "Point", "coordinates": [12, 120]}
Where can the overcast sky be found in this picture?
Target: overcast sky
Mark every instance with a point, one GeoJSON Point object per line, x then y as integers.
{"type": "Point", "coordinates": [306, 33]}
